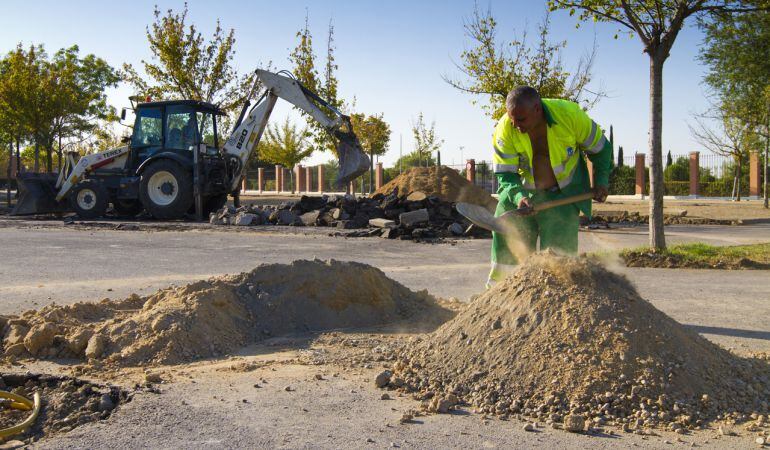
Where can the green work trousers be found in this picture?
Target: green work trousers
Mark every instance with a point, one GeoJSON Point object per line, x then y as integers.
{"type": "Point", "coordinates": [556, 227]}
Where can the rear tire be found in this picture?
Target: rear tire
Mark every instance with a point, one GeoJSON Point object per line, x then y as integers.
{"type": "Point", "coordinates": [166, 189]}
{"type": "Point", "coordinates": [89, 199]}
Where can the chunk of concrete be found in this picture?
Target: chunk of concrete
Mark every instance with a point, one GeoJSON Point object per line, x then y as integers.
{"type": "Point", "coordinates": [416, 196]}
{"type": "Point", "coordinates": [310, 219]}
{"type": "Point", "coordinates": [412, 218]}
{"type": "Point", "coordinates": [382, 223]}
{"type": "Point", "coordinates": [244, 219]}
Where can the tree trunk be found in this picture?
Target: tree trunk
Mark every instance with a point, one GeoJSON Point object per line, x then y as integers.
{"type": "Point", "coordinates": [36, 167]}
{"type": "Point", "coordinates": [738, 179]}
{"type": "Point", "coordinates": [48, 159]}
{"type": "Point", "coordinates": [655, 152]}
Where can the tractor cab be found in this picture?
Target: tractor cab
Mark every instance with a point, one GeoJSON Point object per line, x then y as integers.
{"type": "Point", "coordinates": [174, 126]}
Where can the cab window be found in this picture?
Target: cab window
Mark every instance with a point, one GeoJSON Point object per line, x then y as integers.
{"type": "Point", "coordinates": [206, 128]}
{"type": "Point", "coordinates": [147, 127]}
{"type": "Point", "coordinates": [181, 128]}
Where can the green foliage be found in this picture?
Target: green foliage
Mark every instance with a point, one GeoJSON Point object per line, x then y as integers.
{"type": "Point", "coordinates": [737, 55]}
{"type": "Point", "coordinates": [304, 61]}
{"type": "Point", "coordinates": [373, 133]}
{"type": "Point", "coordinates": [622, 180]}
{"type": "Point", "coordinates": [620, 157]}
{"type": "Point", "coordinates": [285, 144]}
{"type": "Point", "coordinates": [55, 101]}
{"type": "Point", "coordinates": [414, 159]}
{"type": "Point", "coordinates": [187, 66]}
{"type": "Point", "coordinates": [425, 140]}
{"type": "Point", "coordinates": [492, 68]}
{"type": "Point", "coordinates": [677, 171]}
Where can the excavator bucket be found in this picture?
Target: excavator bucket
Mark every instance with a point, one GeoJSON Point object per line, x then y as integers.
{"type": "Point", "coordinates": [37, 195]}
{"type": "Point", "coordinates": [353, 161]}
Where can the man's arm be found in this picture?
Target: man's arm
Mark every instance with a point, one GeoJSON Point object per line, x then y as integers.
{"type": "Point", "coordinates": [506, 159]}
{"type": "Point", "coordinates": [597, 148]}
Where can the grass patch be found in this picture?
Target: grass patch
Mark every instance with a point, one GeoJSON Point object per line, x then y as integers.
{"type": "Point", "coordinates": [698, 255]}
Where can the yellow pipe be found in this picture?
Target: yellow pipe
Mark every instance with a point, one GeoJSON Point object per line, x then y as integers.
{"type": "Point", "coordinates": [23, 403]}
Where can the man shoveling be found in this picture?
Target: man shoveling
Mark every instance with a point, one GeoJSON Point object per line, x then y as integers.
{"type": "Point", "coordinates": [537, 156]}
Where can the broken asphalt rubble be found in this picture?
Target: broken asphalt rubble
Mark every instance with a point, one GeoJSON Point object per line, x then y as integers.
{"type": "Point", "coordinates": [414, 216]}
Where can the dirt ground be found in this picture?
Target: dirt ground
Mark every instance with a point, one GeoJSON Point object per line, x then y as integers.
{"type": "Point", "coordinates": [709, 209]}
{"type": "Point", "coordinates": [317, 391]}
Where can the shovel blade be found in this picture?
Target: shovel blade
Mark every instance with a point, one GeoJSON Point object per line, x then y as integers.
{"type": "Point", "coordinates": [37, 195]}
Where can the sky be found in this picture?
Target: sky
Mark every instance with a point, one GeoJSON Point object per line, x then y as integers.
{"type": "Point", "coordinates": [392, 56]}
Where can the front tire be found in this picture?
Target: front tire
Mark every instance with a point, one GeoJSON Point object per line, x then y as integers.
{"type": "Point", "coordinates": [89, 199]}
{"type": "Point", "coordinates": [165, 190]}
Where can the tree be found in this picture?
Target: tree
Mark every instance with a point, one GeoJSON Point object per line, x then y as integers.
{"type": "Point", "coordinates": [657, 24]}
{"type": "Point", "coordinates": [737, 55]}
{"type": "Point", "coordinates": [425, 139]}
{"type": "Point", "coordinates": [620, 156]}
{"type": "Point", "coordinates": [733, 138]}
{"type": "Point", "coordinates": [372, 131]}
{"type": "Point", "coordinates": [286, 145]}
{"type": "Point", "coordinates": [492, 68]}
{"type": "Point", "coordinates": [413, 159]}
{"type": "Point", "coordinates": [187, 66]}
{"type": "Point", "coordinates": [303, 59]}
{"type": "Point", "coordinates": [53, 101]}
{"type": "Point", "coordinates": [668, 159]}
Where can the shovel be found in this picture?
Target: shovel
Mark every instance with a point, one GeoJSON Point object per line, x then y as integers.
{"type": "Point", "coordinates": [481, 216]}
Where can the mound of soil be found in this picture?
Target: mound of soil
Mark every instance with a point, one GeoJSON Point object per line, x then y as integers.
{"type": "Point", "coordinates": [66, 403]}
{"type": "Point", "coordinates": [217, 316]}
{"type": "Point", "coordinates": [564, 340]}
{"type": "Point", "coordinates": [443, 182]}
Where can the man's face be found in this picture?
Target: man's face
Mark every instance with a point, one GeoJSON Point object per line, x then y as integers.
{"type": "Point", "coordinates": [525, 117]}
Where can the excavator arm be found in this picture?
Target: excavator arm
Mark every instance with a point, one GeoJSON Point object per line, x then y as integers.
{"type": "Point", "coordinates": [248, 131]}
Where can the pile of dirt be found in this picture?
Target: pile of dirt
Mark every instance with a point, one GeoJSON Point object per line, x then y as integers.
{"type": "Point", "coordinates": [217, 316]}
{"type": "Point", "coordinates": [66, 403]}
{"type": "Point", "coordinates": [565, 341]}
{"type": "Point", "coordinates": [443, 182]}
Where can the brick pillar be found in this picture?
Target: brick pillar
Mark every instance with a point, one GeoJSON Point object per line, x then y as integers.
{"type": "Point", "coordinates": [243, 184]}
{"type": "Point", "coordinates": [278, 177]}
{"type": "Point", "coordinates": [299, 179]}
{"type": "Point", "coordinates": [308, 179]}
{"type": "Point", "coordinates": [590, 167]}
{"type": "Point", "coordinates": [754, 174]}
{"type": "Point", "coordinates": [320, 179]}
{"type": "Point", "coordinates": [352, 187]}
{"type": "Point", "coordinates": [378, 176]}
{"type": "Point", "coordinates": [694, 172]}
{"type": "Point", "coordinates": [640, 174]}
{"type": "Point", "coordinates": [470, 170]}
{"type": "Point", "coordinates": [260, 179]}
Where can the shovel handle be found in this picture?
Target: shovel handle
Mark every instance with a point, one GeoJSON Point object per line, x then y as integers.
{"type": "Point", "coordinates": [548, 205]}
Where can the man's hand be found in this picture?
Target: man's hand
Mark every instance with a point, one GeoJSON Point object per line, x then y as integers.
{"type": "Point", "coordinates": [525, 208]}
{"type": "Point", "coordinates": [600, 193]}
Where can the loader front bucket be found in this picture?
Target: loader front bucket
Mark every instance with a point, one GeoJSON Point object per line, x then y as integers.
{"type": "Point", "coordinates": [353, 161]}
{"type": "Point", "coordinates": [37, 195]}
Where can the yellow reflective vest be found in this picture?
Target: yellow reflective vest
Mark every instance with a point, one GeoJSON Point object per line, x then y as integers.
{"type": "Point", "coordinates": [571, 134]}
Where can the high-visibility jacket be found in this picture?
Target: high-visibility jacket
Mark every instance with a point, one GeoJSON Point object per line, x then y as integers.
{"type": "Point", "coordinates": [571, 133]}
